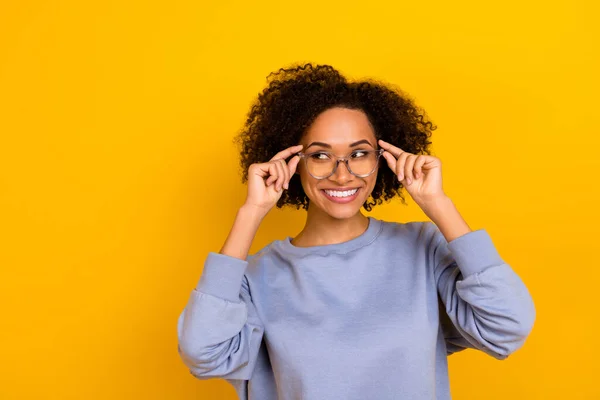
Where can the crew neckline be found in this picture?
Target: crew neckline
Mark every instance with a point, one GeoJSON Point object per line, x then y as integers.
{"type": "Point", "coordinates": [367, 237]}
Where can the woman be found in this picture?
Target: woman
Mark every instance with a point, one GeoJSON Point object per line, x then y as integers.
{"type": "Point", "coordinates": [352, 307]}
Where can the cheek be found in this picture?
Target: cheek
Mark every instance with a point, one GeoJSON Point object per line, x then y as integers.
{"type": "Point", "coordinates": [371, 181]}
{"type": "Point", "coordinates": [308, 182]}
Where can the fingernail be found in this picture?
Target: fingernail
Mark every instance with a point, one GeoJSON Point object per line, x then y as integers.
{"type": "Point", "coordinates": [409, 181]}
{"type": "Point", "coordinates": [400, 177]}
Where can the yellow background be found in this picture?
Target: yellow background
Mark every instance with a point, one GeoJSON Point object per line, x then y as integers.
{"type": "Point", "coordinates": [118, 173]}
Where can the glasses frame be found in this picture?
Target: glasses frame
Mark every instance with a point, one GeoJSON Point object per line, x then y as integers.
{"type": "Point", "coordinates": [305, 156]}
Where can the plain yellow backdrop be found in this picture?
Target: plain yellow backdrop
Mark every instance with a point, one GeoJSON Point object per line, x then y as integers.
{"type": "Point", "coordinates": [118, 172]}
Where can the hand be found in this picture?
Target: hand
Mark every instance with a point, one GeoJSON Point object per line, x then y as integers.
{"type": "Point", "coordinates": [266, 181]}
{"type": "Point", "coordinates": [421, 174]}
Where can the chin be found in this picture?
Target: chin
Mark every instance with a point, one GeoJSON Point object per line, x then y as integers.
{"type": "Point", "coordinates": [342, 212]}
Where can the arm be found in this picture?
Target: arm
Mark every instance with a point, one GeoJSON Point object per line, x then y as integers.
{"type": "Point", "coordinates": [219, 332]}
{"type": "Point", "coordinates": [242, 233]}
{"type": "Point", "coordinates": [483, 303]}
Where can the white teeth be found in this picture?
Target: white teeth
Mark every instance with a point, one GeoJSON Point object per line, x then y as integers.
{"type": "Point", "coordinates": [337, 193]}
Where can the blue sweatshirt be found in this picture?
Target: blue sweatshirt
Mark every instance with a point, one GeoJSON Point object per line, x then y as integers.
{"type": "Point", "coordinates": [371, 318]}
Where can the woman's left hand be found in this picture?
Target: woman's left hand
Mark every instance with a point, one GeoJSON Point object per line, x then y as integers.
{"type": "Point", "coordinates": [421, 174]}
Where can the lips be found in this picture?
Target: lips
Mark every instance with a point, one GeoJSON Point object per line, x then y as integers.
{"type": "Point", "coordinates": [341, 195]}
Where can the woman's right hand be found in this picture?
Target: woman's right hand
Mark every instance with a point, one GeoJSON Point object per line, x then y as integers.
{"type": "Point", "coordinates": [266, 181]}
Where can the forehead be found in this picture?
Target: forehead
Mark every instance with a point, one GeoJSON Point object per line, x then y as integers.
{"type": "Point", "coordinates": [340, 126]}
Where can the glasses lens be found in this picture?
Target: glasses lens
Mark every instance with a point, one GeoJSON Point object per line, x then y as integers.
{"type": "Point", "coordinates": [320, 164]}
{"type": "Point", "coordinates": [363, 162]}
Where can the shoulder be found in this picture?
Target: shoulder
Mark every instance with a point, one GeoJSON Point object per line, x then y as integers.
{"type": "Point", "coordinates": [413, 236]}
{"type": "Point", "coordinates": [266, 254]}
{"type": "Point", "coordinates": [418, 230]}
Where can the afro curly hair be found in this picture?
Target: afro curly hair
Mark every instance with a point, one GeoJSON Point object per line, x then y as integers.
{"type": "Point", "coordinates": [293, 99]}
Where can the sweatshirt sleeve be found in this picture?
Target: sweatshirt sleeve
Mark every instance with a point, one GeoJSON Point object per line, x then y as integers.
{"type": "Point", "coordinates": [219, 332]}
{"type": "Point", "coordinates": [483, 303]}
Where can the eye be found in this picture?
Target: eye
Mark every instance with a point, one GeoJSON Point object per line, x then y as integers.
{"type": "Point", "coordinates": [359, 153]}
{"type": "Point", "coordinates": [322, 156]}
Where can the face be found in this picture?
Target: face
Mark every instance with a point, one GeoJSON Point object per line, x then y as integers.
{"type": "Point", "coordinates": [338, 131]}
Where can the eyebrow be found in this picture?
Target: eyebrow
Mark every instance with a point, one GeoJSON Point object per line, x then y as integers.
{"type": "Point", "coordinates": [364, 141]}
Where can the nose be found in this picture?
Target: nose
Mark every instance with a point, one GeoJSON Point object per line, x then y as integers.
{"type": "Point", "coordinates": [342, 175]}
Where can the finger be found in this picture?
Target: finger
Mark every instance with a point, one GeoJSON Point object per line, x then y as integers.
{"type": "Point", "coordinates": [280, 175]}
{"type": "Point", "coordinates": [391, 160]}
{"type": "Point", "coordinates": [288, 175]}
{"type": "Point", "coordinates": [408, 168]}
{"type": "Point", "coordinates": [272, 174]}
{"type": "Point", "coordinates": [286, 170]}
{"type": "Point", "coordinates": [284, 173]}
{"type": "Point", "coordinates": [273, 166]}
{"type": "Point", "coordinates": [287, 152]}
{"type": "Point", "coordinates": [419, 166]}
{"type": "Point", "coordinates": [400, 165]}
{"type": "Point", "coordinates": [255, 169]}
{"type": "Point", "coordinates": [293, 165]}
{"type": "Point", "coordinates": [396, 151]}
{"type": "Point", "coordinates": [261, 169]}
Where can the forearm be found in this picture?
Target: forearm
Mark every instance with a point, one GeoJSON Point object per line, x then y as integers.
{"type": "Point", "coordinates": [242, 233]}
{"type": "Point", "coordinates": [444, 214]}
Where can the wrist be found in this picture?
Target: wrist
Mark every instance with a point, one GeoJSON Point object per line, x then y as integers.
{"type": "Point", "coordinates": [250, 212]}
{"type": "Point", "coordinates": [449, 221]}
{"type": "Point", "coordinates": [242, 233]}
{"type": "Point", "coordinates": [436, 204]}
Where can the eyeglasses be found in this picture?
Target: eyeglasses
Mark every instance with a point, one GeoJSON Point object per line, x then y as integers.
{"type": "Point", "coordinates": [360, 163]}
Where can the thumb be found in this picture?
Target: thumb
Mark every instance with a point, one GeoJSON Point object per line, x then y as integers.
{"type": "Point", "coordinates": [293, 164]}
{"type": "Point", "coordinates": [391, 160]}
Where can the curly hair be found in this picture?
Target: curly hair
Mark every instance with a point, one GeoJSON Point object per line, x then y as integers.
{"type": "Point", "coordinates": [294, 98]}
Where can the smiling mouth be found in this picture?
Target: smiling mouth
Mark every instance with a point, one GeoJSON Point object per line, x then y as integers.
{"type": "Point", "coordinates": [341, 196]}
{"type": "Point", "coordinates": [341, 193]}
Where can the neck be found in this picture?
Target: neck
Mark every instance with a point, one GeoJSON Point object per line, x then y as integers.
{"type": "Point", "coordinates": [321, 229]}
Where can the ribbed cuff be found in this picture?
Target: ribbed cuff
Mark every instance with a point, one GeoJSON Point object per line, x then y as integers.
{"type": "Point", "coordinates": [222, 276]}
{"type": "Point", "coordinates": [474, 252]}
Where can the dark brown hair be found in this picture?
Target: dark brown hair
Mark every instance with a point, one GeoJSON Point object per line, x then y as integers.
{"type": "Point", "coordinates": [295, 97]}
